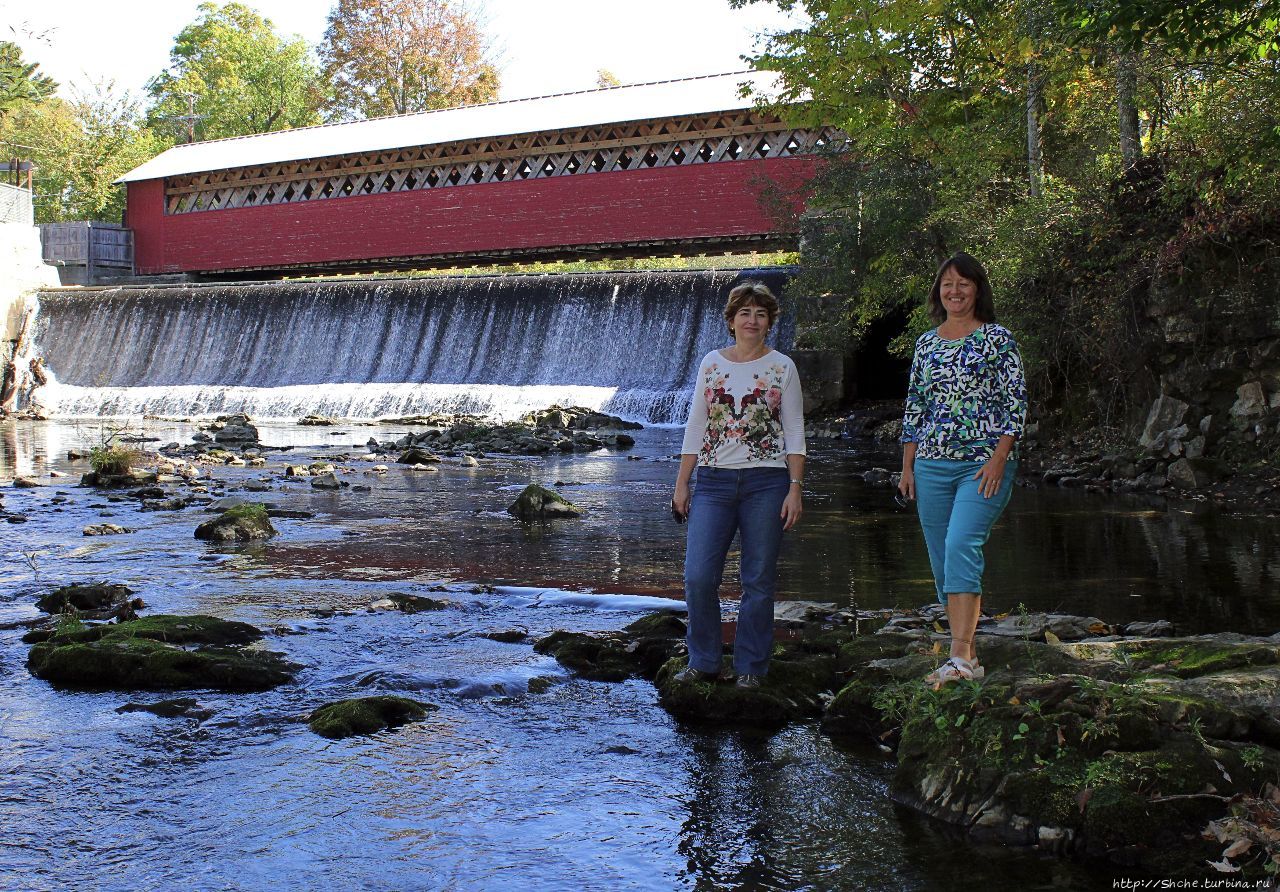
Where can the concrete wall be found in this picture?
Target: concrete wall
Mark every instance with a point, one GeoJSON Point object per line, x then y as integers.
{"type": "Point", "coordinates": [22, 271]}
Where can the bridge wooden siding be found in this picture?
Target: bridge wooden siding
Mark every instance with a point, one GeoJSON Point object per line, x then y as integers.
{"type": "Point", "coordinates": [685, 183]}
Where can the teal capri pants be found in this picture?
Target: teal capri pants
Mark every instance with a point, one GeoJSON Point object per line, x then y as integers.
{"type": "Point", "coordinates": [956, 520]}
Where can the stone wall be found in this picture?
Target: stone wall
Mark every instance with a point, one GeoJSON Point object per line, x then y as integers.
{"type": "Point", "coordinates": [821, 376]}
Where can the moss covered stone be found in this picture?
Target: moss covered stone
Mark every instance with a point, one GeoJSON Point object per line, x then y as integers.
{"type": "Point", "coordinates": [792, 690]}
{"type": "Point", "coordinates": [537, 502]}
{"type": "Point", "coordinates": [640, 649]}
{"type": "Point", "coordinates": [159, 653]}
{"type": "Point", "coordinates": [366, 715]}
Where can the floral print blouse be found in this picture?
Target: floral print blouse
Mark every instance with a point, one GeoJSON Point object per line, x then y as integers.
{"type": "Point", "coordinates": [965, 394]}
{"type": "Point", "coordinates": [745, 414]}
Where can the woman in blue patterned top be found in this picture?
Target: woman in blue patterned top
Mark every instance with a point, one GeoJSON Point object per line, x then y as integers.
{"type": "Point", "coordinates": [965, 410]}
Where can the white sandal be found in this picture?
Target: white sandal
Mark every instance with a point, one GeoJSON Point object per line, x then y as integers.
{"type": "Point", "coordinates": [953, 670]}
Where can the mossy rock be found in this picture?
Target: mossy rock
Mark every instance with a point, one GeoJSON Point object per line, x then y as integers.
{"type": "Point", "coordinates": [90, 596]}
{"type": "Point", "coordinates": [641, 649]}
{"type": "Point", "coordinates": [537, 502]}
{"type": "Point", "coordinates": [183, 630]}
{"type": "Point", "coordinates": [594, 657]}
{"type": "Point", "coordinates": [791, 691]}
{"type": "Point", "coordinates": [159, 653]}
{"type": "Point", "coordinates": [1192, 657]}
{"type": "Point", "coordinates": [366, 715]}
{"type": "Point", "coordinates": [145, 664]}
{"type": "Point", "coordinates": [243, 523]}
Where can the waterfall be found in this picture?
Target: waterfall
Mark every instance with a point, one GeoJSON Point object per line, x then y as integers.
{"type": "Point", "coordinates": [626, 343]}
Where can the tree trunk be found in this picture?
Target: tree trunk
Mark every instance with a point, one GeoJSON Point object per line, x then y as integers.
{"type": "Point", "coordinates": [1035, 148]}
{"type": "Point", "coordinates": [1126, 105]}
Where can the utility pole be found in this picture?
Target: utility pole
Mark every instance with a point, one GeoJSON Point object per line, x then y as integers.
{"type": "Point", "coordinates": [190, 117]}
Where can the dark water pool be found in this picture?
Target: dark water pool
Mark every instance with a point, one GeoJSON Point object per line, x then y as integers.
{"type": "Point", "coordinates": [586, 786]}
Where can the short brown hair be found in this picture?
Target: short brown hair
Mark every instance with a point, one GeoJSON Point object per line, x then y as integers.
{"type": "Point", "coordinates": [984, 304]}
{"type": "Point", "coordinates": [751, 294]}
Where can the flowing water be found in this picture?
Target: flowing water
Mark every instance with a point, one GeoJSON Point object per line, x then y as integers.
{"type": "Point", "coordinates": [627, 343]}
{"type": "Point", "coordinates": [585, 786]}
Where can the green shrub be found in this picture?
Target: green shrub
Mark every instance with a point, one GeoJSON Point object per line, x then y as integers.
{"type": "Point", "coordinates": [113, 459]}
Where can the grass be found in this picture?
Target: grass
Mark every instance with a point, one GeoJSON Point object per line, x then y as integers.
{"type": "Point", "coordinates": [657, 264]}
{"type": "Point", "coordinates": [113, 459]}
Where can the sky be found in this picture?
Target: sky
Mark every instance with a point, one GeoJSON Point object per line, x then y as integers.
{"type": "Point", "coordinates": [541, 46]}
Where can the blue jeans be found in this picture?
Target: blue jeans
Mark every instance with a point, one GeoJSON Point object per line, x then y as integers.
{"type": "Point", "coordinates": [957, 519]}
{"type": "Point", "coordinates": [749, 502]}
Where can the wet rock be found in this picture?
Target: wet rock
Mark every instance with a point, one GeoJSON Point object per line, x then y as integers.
{"type": "Point", "coordinates": [243, 523]}
{"type": "Point", "coordinates": [791, 691]}
{"type": "Point", "coordinates": [1161, 628]}
{"type": "Point", "coordinates": [507, 636]}
{"type": "Point", "coordinates": [159, 653]}
{"type": "Point", "coordinates": [642, 648]}
{"type": "Point", "coordinates": [257, 486]}
{"type": "Point", "coordinates": [90, 596]}
{"type": "Point", "coordinates": [105, 529]}
{"type": "Point", "coordinates": [317, 421]}
{"type": "Point", "coordinates": [410, 603]}
{"type": "Point", "coordinates": [182, 707]}
{"type": "Point", "coordinates": [537, 502]}
{"type": "Point", "coordinates": [296, 471]}
{"type": "Point", "coordinates": [468, 461]}
{"type": "Point", "coordinates": [327, 480]}
{"type": "Point", "coordinates": [234, 429]}
{"type": "Point", "coordinates": [25, 483]}
{"type": "Point", "coordinates": [366, 715]}
{"type": "Point", "coordinates": [175, 504]}
{"type": "Point", "coordinates": [417, 457]}
{"type": "Point", "coordinates": [134, 478]}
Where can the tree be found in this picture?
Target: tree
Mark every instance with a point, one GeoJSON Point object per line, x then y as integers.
{"type": "Point", "coordinates": [392, 57]}
{"type": "Point", "coordinates": [20, 81]}
{"type": "Point", "coordinates": [80, 148]}
{"type": "Point", "coordinates": [235, 75]}
{"type": "Point", "coordinates": [1232, 30]}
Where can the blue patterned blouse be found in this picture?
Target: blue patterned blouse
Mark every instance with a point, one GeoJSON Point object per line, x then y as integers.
{"type": "Point", "coordinates": [965, 394]}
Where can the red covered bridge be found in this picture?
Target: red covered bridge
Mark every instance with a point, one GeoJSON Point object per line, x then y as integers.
{"type": "Point", "coordinates": [677, 166]}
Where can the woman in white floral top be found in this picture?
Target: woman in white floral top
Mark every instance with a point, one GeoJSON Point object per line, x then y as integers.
{"type": "Point", "coordinates": [965, 410]}
{"type": "Point", "coordinates": [745, 435]}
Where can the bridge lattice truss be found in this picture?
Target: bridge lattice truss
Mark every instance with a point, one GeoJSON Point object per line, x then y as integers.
{"type": "Point", "coordinates": [668, 142]}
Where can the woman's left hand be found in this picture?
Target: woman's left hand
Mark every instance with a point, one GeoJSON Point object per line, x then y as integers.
{"type": "Point", "coordinates": [792, 508]}
{"type": "Point", "coordinates": [991, 475]}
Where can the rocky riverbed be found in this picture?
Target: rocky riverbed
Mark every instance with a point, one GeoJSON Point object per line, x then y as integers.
{"type": "Point", "coordinates": [416, 583]}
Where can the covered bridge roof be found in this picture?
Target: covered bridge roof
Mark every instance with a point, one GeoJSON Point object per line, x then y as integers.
{"type": "Point", "coordinates": [638, 102]}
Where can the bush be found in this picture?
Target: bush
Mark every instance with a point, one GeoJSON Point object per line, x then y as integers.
{"type": "Point", "coordinates": [113, 459]}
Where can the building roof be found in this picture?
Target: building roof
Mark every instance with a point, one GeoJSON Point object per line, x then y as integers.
{"type": "Point", "coordinates": [637, 102]}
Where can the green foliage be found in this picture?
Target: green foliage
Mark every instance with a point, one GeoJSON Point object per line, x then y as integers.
{"type": "Point", "coordinates": [20, 81]}
{"type": "Point", "coordinates": [113, 459]}
{"type": "Point", "coordinates": [242, 75]}
{"type": "Point", "coordinates": [80, 147]}
{"type": "Point", "coordinates": [254, 511]}
{"type": "Point", "coordinates": [937, 99]}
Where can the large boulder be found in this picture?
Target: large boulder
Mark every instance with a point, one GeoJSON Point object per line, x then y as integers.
{"type": "Point", "coordinates": [159, 653]}
{"type": "Point", "coordinates": [1166, 413]}
{"type": "Point", "coordinates": [235, 430]}
{"type": "Point", "coordinates": [243, 523]}
{"type": "Point", "coordinates": [1104, 747]}
{"type": "Point", "coordinates": [365, 715]}
{"type": "Point", "coordinates": [537, 502]}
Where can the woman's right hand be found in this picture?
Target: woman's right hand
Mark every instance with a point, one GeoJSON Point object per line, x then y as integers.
{"type": "Point", "coordinates": [681, 499]}
{"type": "Point", "coordinates": [907, 485]}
